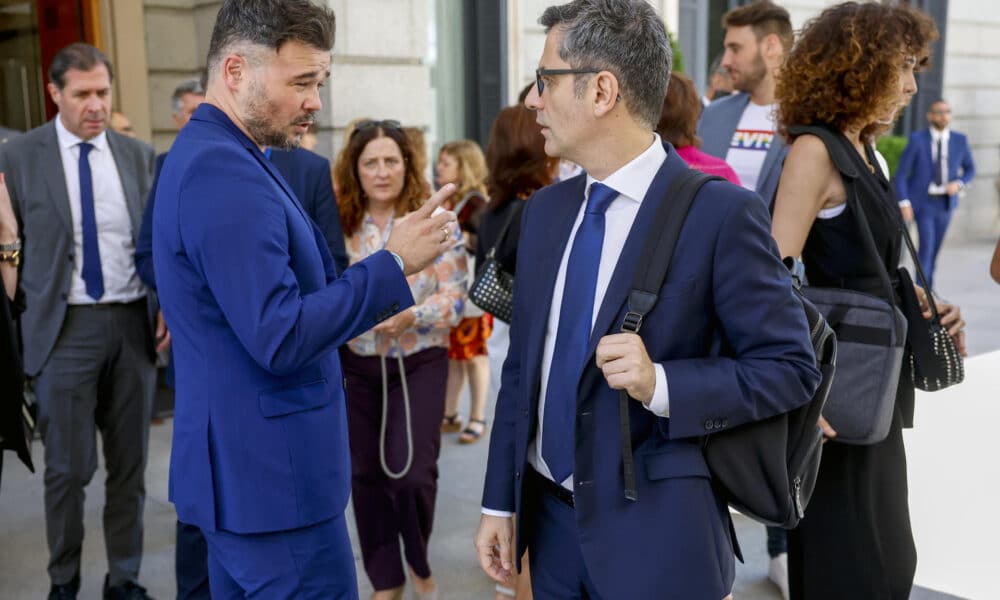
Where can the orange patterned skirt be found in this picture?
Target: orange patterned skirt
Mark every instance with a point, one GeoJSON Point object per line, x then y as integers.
{"type": "Point", "coordinates": [468, 339]}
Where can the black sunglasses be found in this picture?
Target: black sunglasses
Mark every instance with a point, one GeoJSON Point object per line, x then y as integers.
{"type": "Point", "coordinates": [539, 73]}
{"type": "Point", "coordinates": [371, 124]}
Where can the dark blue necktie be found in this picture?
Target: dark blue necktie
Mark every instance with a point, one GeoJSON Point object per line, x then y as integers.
{"type": "Point", "coordinates": [93, 277]}
{"type": "Point", "coordinates": [573, 335]}
{"type": "Point", "coordinates": [938, 175]}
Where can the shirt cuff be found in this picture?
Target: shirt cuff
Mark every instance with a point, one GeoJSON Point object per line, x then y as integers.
{"type": "Point", "coordinates": [660, 404]}
{"type": "Point", "coordinates": [497, 513]}
{"type": "Point", "coordinates": [904, 203]}
{"type": "Point", "coordinates": [397, 258]}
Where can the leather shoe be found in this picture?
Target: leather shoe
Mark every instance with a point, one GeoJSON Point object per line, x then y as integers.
{"type": "Point", "coordinates": [125, 591]}
{"type": "Point", "coordinates": [66, 591]}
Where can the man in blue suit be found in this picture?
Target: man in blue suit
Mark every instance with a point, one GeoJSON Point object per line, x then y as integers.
{"type": "Point", "coordinates": [256, 310]}
{"type": "Point", "coordinates": [555, 455]}
{"type": "Point", "coordinates": [934, 169]}
{"type": "Point", "coordinates": [740, 129]}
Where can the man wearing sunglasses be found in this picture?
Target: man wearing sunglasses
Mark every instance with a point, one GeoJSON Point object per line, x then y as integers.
{"type": "Point", "coordinates": [555, 450]}
{"type": "Point", "coordinates": [260, 460]}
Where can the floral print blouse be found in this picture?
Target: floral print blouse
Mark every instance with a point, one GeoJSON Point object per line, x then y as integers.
{"type": "Point", "coordinates": [439, 293]}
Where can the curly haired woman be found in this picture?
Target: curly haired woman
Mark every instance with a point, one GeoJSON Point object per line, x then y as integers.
{"type": "Point", "coordinates": [850, 73]}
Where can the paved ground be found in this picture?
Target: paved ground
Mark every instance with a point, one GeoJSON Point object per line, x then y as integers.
{"type": "Point", "coordinates": [963, 277]}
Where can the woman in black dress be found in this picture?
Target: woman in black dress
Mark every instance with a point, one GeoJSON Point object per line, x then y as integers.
{"type": "Point", "coordinates": [851, 72]}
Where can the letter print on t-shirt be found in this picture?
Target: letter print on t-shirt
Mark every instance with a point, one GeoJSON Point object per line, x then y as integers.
{"type": "Point", "coordinates": [750, 143]}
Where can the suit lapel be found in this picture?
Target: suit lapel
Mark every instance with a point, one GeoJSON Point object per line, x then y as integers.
{"type": "Point", "coordinates": [130, 185]}
{"type": "Point", "coordinates": [728, 122]}
{"type": "Point", "coordinates": [51, 170]}
{"type": "Point", "coordinates": [772, 158]}
{"type": "Point", "coordinates": [558, 224]}
{"type": "Point", "coordinates": [618, 290]}
{"type": "Point", "coordinates": [276, 175]}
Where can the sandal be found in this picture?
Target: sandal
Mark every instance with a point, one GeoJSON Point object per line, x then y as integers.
{"type": "Point", "coordinates": [470, 435]}
{"type": "Point", "coordinates": [451, 424]}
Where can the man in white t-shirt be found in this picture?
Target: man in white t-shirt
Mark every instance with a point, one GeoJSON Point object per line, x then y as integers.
{"type": "Point", "coordinates": [741, 129]}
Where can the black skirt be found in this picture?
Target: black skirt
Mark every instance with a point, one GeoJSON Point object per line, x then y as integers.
{"type": "Point", "coordinates": [855, 540]}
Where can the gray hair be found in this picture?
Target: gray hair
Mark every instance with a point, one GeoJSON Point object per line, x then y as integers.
{"type": "Point", "coordinates": [625, 37]}
{"type": "Point", "coordinates": [191, 86]}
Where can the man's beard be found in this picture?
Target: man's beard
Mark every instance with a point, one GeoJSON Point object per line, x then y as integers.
{"type": "Point", "coordinates": [750, 80]}
{"type": "Point", "coordinates": [259, 121]}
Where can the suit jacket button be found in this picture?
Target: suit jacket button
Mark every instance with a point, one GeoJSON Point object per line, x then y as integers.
{"type": "Point", "coordinates": [718, 423]}
{"type": "Point", "coordinates": [517, 475]}
{"type": "Point", "coordinates": [725, 422]}
{"type": "Point", "coordinates": [395, 306]}
{"type": "Point", "coordinates": [709, 425]}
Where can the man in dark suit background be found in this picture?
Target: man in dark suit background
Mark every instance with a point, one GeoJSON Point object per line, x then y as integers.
{"type": "Point", "coordinates": [933, 170]}
{"type": "Point", "coordinates": [79, 190]}
{"type": "Point", "coordinates": [555, 453]}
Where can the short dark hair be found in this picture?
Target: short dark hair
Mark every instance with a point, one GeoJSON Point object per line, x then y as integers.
{"type": "Point", "coordinates": [681, 109]}
{"type": "Point", "coordinates": [625, 37]}
{"type": "Point", "coordinates": [271, 23]}
{"type": "Point", "coordinates": [764, 18]}
{"type": "Point", "coordinates": [79, 56]}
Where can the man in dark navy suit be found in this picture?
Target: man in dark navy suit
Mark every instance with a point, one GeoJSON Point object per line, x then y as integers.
{"type": "Point", "coordinates": [555, 453]}
{"type": "Point", "coordinates": [934, 169]}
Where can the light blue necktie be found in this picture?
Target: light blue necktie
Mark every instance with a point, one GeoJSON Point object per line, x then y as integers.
{"type": "Point", "coordinates": [573, 335]}
{"type": "Point", "coordinates": [93, 276]}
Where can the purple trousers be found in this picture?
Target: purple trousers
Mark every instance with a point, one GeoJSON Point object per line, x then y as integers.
{"type": "Point", "coordinates": [387, 509]}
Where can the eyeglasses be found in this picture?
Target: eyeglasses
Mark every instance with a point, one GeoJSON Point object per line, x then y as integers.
{"type": "Point", "coordinates": [539, 73]}
{"type": "Point", "coordinates": [372, 124]}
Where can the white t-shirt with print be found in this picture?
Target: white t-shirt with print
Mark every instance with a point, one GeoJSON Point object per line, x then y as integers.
{"type": "Point", "coordinates": [750, 143]}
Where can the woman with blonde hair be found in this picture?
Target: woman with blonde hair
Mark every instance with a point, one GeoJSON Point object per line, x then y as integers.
{"type": "Point", "coordinates": [462, 163]}
{"type": "Point", "coordinates": [395, 373]}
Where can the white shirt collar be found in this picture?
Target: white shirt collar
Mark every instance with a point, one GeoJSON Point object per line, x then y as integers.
{"type": "Point", "coordinates": [633, 180]}
{"type": "Point", "coordinates": [68, 139]}
{"type": "Point", "coordinates": [944, 134]}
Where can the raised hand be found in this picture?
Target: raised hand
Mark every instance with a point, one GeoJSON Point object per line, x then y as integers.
{"type": "Point", "coordinates": [420, 237]}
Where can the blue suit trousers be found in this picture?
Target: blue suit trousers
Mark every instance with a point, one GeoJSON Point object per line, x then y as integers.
{"type": "Point", "coordinates": [311, 563]}
{"type": "Point", "coordinates": [932, 219]}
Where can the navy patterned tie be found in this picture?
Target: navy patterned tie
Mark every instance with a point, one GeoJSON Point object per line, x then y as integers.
{"type": "Point", "coordinates": [92, 275]}
{"type": "Point", "coordinates": [573, 336]}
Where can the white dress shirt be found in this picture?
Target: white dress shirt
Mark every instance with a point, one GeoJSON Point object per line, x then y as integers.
{"type": "Point", "coordinates": [114, 227]}
{"type": "Point", "coordinates": [632, 181]}
{"type": "Point", "coordinates": [943, 135]}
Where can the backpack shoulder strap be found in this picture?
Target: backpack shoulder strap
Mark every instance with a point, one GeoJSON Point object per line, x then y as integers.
{"type": "Point", "coordinates": [659, 249]}
{"type": "Point", "coordinates": [649, 276]}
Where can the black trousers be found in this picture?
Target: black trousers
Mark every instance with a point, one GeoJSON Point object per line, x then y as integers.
{"type": "Point", "coordinates": [855, 540]}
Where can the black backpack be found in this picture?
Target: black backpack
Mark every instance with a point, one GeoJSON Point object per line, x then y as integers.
{"type": "Point", "coordinates": [765, 469]}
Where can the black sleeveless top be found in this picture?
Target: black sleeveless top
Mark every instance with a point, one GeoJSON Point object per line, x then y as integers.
{"type": "Point", "coordinates": [835, 253]}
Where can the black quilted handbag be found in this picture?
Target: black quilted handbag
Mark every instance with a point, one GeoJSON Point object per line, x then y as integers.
{"type": "Point", "coordinates": [493, 289]}
{"type": "Point", "coordinates": [934, 362]}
